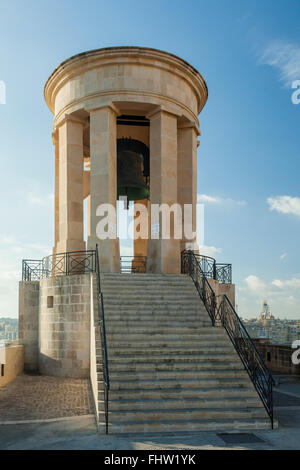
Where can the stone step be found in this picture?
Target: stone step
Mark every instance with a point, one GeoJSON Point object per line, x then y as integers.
{"type": "Point", "coordinates": [181, 393]}
{"type": "Point", "coordinates": [156, 313]}
{"type": "Point", "coordinates": [159, 415]}
{"type": "Point", "coordinates": [148, 287]}
{"type": "Point", "coordinates": [156, 323]}
{"type": "Point", "coordinates": [186, 403]}
{"type": "Point", "coordinates": [163, 331]}
{"type": "Point", "coordinates": [181, 343]}
{"type": "Point", "coordinates": [176, 374]}
{"type": "Point", "coordinates": [156, 334]}
{"type": "Point", "coordinates": [143, 276]}
{"type": "Point", "coordinates": [148, 283]}
{"type": "Point", "coordinates": [161, 383]}
{"type": "Point", "coordinates": [187, 426]}
{"type": "Point", "coordinates": [128, 363]}
{"type": "Point", "coordinates": [161, 299]}
{"type": "Point", "coordinates": [171, 353]}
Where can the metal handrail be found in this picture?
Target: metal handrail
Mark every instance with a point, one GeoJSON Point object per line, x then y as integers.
{"type": "Point", "coordinates": [105, 371]}
{"type": "Point", "coordinates": [254, 364]}
{"type": "Point", "coordinates": [190, 265]}
{"type": "Point", "coordinates": [226, 315]}
{"type": "Point", "coordinates": [221, 272]}
{"type": "Point", "coordinates": [59, 264]}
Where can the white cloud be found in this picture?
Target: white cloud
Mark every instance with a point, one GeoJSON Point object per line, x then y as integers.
{"type": "Point", "coordinates": [205, 198]}
{"type": "Point", "coordinates": [277, 283]}
{"type": "Point", "coordinates": [291, 299]}
{"type": "Point", "coordinates": [285, 57]}
{"type": "Point", "coordinates": [293, 283]}
{"type": "Point", "coordinates": [285, 204]}
{"type": "Point", "coordinates": [209, 199]}
{"type": "Point", "coordinates": [18, 245]}
{"type": "Point", "coordinates": [10, 275]}
{"type": "Point", "coordinates": [36, 200]}
{"type": "Point", "coordinates": [254, 283]}
{"type": "Point", "coordinates": [209, 250]}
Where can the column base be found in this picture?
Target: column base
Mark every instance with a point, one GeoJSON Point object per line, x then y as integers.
{"type": "Point", "coordinates": [189, 245]}
{"type": "Point", "coordinates": [69, 245]}
{"type": "Point", "coordinates": [164, 257]}
{"type": "Point", "coordinates": [109, 253]}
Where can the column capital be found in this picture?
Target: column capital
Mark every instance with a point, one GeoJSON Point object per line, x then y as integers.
{"type": "Point", "coordinates": [107, 105]}
{"type": "Point", "coordinates": [190, 125]}
{"type": "Point", "coordinates": [161, 110]}
{"type": "Point", "coordinates": [70, 118]}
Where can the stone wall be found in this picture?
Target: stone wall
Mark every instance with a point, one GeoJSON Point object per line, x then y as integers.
{"type": "Point", "coordinates": [278, 357]}
{"type": "Point", "coordinates": [223, 289]}
{"type": "Point", "coordinates": [64, 335]}
{"type": "Point", "coordinates": [13, 363]}
{"type": "Point", "coordinates": [29, 322]}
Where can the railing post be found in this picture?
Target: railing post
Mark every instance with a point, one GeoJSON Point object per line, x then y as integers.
{"type": "Point", "coordinates": [215, 270]}
{"type": "Point", "coordinates": [190, 263]}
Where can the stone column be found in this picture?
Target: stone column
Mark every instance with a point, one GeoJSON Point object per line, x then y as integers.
{"type": "Point", "coordinates": [163, 254]}
{"type": "Point", "coordinates": [56, 195]}
{"type": "Point", "coordinates": [70, 186]}
{"type": "Point", "coordinates": [187, 178]}
{"type": "Point", "coordinates": [141, 244]}
{"type": "Point", "coordinates": [103, 183]}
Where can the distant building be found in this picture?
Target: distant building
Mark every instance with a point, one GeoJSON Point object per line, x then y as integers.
{"type": "Point", "coordinates": [9, 329]}
{"type": "Point", "coordinates": [278, 331]}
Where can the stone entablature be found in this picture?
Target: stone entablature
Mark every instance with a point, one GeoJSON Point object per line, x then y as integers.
{"type": "Point", "coordinates": [132, 74]}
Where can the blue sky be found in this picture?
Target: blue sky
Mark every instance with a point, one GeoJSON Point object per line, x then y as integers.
{"type": "Point", "coordinates": [249, 55]}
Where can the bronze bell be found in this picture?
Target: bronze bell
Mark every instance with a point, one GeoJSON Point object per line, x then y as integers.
{"type": "Point", "coordinates": [133, 170]}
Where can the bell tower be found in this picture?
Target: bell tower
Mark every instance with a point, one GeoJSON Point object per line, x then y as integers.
{"type": "Point", "coordinates": [126, 125]}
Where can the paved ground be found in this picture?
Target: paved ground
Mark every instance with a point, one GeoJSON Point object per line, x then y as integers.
{"type": "Point", "coordinates": [36, 397]}
{"type": "Point", "coordinates": [80, 432]}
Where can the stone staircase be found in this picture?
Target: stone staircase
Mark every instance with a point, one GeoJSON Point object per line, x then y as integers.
{"type": "Point", "coordinates": [170, 370]}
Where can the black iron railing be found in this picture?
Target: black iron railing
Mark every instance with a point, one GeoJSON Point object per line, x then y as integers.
{"type": "Point", "coordinates": [223, 273]}
{"type": "Point", "coordinates": [105, 371]}
{"type": "Point", "coordinates": [219, 271]}
{"type": "Point", "coordinates": [190, 265]}
{"type": "Point", "coordinates": [133, 264]}
{"type": "Point", "coordinates": [226, 315]}
{"type": "Point", "coordinates": [32, 270]}
{"type": "Point", "coordinates": [60, 264]}
{"type": "Point", "coordinates": [253, 362]}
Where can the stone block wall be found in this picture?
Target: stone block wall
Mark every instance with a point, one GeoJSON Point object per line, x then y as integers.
{"type": "Point", "coordinates": [13, 363]}
{"type": "Point", "coordinates": [223, 289]}
{"type": "Point", "coordinates": [278, 357]}
{"type": "Point", "coordinates": [29, 322]}
{"type": "Point", "coordinates": [64, 333]}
